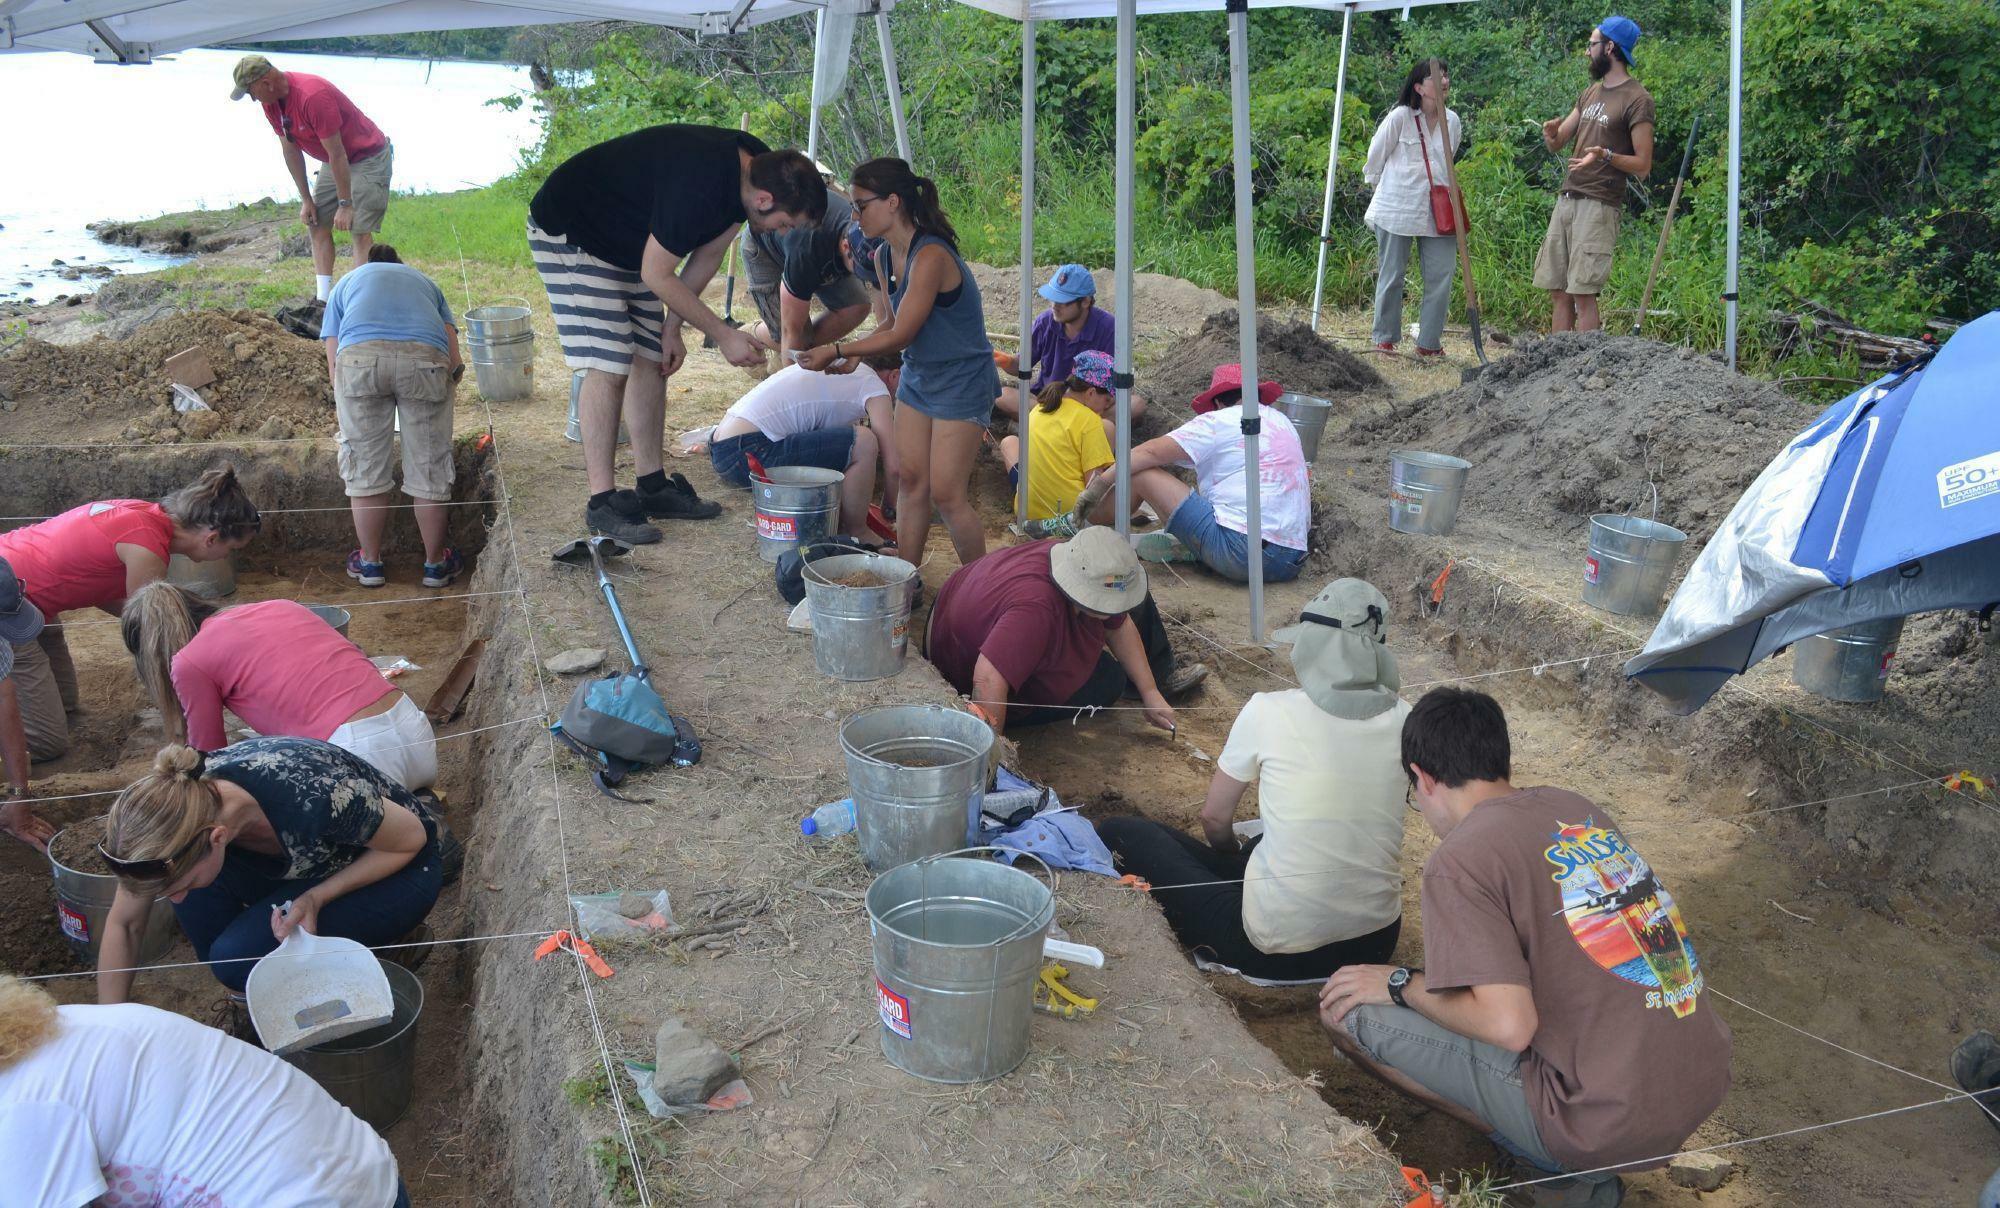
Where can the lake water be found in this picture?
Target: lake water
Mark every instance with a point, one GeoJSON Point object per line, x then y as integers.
{"type": "Point", "coordinates": [135, 142]}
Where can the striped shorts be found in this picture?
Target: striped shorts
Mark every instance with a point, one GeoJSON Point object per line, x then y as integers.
{"type": "Point", "coordinates": [605, 316]}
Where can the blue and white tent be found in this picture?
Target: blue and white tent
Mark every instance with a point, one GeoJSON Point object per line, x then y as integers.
{"type": "Point", "coordinates": [1888, 505]}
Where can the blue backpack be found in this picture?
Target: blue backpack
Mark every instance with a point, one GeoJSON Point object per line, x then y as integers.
{"type": "Point", "coordinates": [620, 724]}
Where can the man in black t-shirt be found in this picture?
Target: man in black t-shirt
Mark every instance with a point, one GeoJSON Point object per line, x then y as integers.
{"type": "Point", "coordinates": [617, 231]}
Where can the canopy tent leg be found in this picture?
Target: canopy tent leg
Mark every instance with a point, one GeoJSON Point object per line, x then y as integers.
{"type": "Point", "coordinates": [1027, 257]}
{"type": "Point", "coordinates": [1121, 361]}
{"type": "Point", "coordinates": [1246, 304]}
{"type": "Point", "coordinates": [1332, 160]}
{"type": "Point", "coordinates": [893, 84]}
{"type": "Point", "coordinates": [1735, 179]}
{"type": "Point", "coordinates": [812, 99]}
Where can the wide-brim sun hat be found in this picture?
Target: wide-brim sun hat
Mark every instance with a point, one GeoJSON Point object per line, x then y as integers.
{"type": "Point", "coordinates": [1099, 571]}
{"type": "Point", "coordinates": [1340, 651]}
{"type": "Point", "coordinates": [1230, 377]}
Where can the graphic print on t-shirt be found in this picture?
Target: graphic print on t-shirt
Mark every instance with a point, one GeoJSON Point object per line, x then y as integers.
{"type": "Point", "coordinates": [1623, 917]}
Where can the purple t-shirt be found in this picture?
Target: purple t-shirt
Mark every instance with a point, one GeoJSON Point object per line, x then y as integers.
{"type": "Point", "coordinates": [1055, 352]}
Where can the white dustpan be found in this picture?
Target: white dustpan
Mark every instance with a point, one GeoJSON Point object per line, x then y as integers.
{"type": "Point", "coordinates": [312, 989]}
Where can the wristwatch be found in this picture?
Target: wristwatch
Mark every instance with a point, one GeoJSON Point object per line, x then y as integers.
{"type": "Point", "coordinates": [1398, 979]}
{"type": "Point", "coordinates": [343, 202]}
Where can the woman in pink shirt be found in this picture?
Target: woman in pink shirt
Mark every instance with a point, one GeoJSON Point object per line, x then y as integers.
{"type": "Point", "coordinates": [280, 668]}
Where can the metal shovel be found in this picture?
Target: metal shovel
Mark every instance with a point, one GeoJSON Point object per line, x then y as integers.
{"type": "Point", "coordinates": [595, 550]}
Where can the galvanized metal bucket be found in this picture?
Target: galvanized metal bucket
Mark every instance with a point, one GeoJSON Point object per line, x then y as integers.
{"type": "Point", "coordinates": [575, 429]}
{"type": "Point", "coordinates": [1308, 415]}
{"type": "Point", "coordinates": [209, 580]}
{"type": "Point", "coordinates": [1850, 663]}
{"type": "Point", "coordinates": [1424, 490]}
{"type": "Point", "coordinates": [333, 615]}
{"type": "Point", "coordinates": [917, 774]}
{"type": "Point", "coordinates": [958, 946]}
{"type": "Point", "coordinates": [83, 903]}
{"type": "Point", "coordinates": [501, 341]}
{"type": "Point", "coordinates": [372, 1073]}
{"type": "Point", "coordinates": [499, 322]}
{"type": "Point", "coordinates": [859, 633]}
{"type": "Point", "coordinates": [795, 506]}
{"type": "Point", "coordinates": [1630, 563]}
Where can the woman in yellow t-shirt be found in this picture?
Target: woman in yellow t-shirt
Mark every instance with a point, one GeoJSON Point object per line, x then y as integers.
{"type": "Point", "coordinates": [1072, 437]}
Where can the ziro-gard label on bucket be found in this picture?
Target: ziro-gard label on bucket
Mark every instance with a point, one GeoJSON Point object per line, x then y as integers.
{"type": "Point", "coordinates": [1589, 570]}
{"type": "Point", "coordinates": [74, 925]}
{"type": "Point", "coordinates": [777, 528]}
{"type": "Point", "coordinates": [895, 1009]}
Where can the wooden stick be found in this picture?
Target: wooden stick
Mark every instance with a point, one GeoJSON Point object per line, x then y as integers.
{"type": "Point", "coordinates": [1667, 227]}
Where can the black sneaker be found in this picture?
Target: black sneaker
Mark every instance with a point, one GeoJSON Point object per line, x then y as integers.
{"type": "Point", "coordinates": [678, 501]}
{"type": "Point", "coordinates": [621, 516]}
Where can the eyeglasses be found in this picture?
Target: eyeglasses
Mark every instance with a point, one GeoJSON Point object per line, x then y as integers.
{"type": "Point", "coordinates": [1594, 43]}
{"type": "Point", "coordinates": [862, 203]}
{"type": "Point", "coordinates": [147, 870]}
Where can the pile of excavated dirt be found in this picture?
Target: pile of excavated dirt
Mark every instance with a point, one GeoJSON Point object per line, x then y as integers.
{"type": "Point", "coordinates": [269, 383]}
{"type": "Point", "coordinates": [1578, 424]}
{"type": "Point", "coordinates": [1287, 353]}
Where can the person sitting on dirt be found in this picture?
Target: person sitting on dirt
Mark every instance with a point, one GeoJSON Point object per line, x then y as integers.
{"type": "Point", "coordinates": [256, 839]}
{"type": "Point", "coordinates": [282, 669]}
{"type": "Point", "coordinates": [97, 555]}
{"type": "Point", "coordinates": [312, 117]}
{"type": "Point", "coordinates": [1039, 632]}
{"type": "Point", "coordinates": [130, 1104]}
{"type": "Point", "coordinates": [797, 417]}
{"type": "Point", "coordinates": [20, 625]}
{"type": "Point", "coordinates": [617, 232]}
{"type": "Point", "coordinates": [1562, 1010]}
{"type": "Point", "coordinates": [1069, 441]}
{"type": "Point", "coordinates": [787, 271]}
{"type": "Point", "coordinates": [1406, 159]}
{"type": "Point", "coordinates": [1072, 324]}
{"type": "Point", "coordinates": [1208, 523]}
{"type": "Point", "coordinates": [392, 352]}
{"type": "Point", "coordinates": [1321, 887]}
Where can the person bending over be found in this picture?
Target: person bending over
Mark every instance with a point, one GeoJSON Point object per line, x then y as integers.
{"type": "Point", "coordinates": [788, 271]}
{"type": "Point", "coordinates": [797, 417]}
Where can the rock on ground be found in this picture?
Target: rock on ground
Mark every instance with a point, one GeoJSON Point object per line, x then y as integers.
{"type": "Point", "coordinates": [687, 1066]}
{"type": "Point", "coordinates": [574, 662]}
{"type": "Point", "coordinates": [1701, 1171]}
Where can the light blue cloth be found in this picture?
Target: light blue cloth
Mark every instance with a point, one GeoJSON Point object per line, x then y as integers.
{"type": "Point", "coordinates": [387, 302]}
{"type": "Point", "coordinates": [1060, 838]}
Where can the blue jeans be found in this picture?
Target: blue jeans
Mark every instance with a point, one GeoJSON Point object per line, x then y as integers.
{"type": "Point", "coordinates": [825, 448]}
{"type": "Point", "coordinates": [402, 1195]}
{"type": "Point", "coordinates": [1226, 551]}
{"type": "Point", "coordinates": [229, 920]}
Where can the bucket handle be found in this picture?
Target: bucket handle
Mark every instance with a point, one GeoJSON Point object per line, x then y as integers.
{"type": "Point", "coordinates": [890, 763]}
{"type": "Point", "coordinates": [525, 304]}
{"type": "Point", "coordinates": [924, 889]}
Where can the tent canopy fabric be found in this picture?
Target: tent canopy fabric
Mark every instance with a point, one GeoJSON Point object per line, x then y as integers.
{"type": "Point", "coordinates": [1887, 505]}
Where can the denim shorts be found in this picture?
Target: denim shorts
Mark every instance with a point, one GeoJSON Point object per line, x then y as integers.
{"type": "Point", "coordinates": [826, 448]}
{"type": "Point", "coordinates": [1226, 551]}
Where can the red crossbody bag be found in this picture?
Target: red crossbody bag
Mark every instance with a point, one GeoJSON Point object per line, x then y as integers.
{"type": "Point", "coordinates": [1443, 214]}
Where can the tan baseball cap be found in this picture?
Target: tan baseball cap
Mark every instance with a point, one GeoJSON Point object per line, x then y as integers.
{"type": "Point", "coordinates": [249, 69]}
{"type": "Point", "coordinates": [1098, 570]}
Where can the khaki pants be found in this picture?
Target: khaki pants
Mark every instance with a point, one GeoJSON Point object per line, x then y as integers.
{"type": "Point", "coordinates": [44, 681]}
{"type": "Point", "coordinates": [376, 383]}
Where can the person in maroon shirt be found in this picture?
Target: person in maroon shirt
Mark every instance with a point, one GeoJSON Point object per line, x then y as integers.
{"type": "Point", "coordinates": [312, 117]}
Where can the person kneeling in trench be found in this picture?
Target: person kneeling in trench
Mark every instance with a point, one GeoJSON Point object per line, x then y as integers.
{"type": "Point", "coordinates": [258, 839]}
{"type": "Point", "coordinates": [1321, 887]}
{"type": "Point", "coordinates": [1040, 632]}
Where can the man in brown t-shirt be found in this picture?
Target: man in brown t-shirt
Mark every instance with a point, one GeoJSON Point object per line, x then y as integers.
{"type": "Point", "coordinates": [1562, 1010]}
{"type": "Point", "coordinates": [1612, 125]}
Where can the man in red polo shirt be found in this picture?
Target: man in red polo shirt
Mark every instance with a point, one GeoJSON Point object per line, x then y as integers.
{"type": "Point", "coordinates": [312, 117]}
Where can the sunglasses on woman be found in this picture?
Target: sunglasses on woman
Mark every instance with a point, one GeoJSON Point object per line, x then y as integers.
{"type": "Point", "coordinates": [147, 870]}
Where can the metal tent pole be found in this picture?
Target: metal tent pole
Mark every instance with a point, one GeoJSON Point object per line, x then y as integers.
{"type": "Point", "coordinates": [812, 98]}
{"type": "Point", "coordinates": [1121, 368]}
{"type": "Point", "coordinates": [1246, 305]}
{"type": "Point", "coordinates": [1027, 255]}
{"type": "Point", "coordinates": [893, 83]}
{"type": "Point", "coordinates": [1332, 159]}
{"type": "Point", "coordinates": [1735, 178]}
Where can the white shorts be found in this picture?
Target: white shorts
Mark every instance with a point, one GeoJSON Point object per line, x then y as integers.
{"type": "Point", "coordinates": [400, 743]}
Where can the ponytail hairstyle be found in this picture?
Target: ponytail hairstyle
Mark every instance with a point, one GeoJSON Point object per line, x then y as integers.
{"type": "Point", "coordinates": [215, 501]}
{"type": "Point", "coordinates": [892, 177]}
{"type": "Point", "coordinates": [160, 816]}
{"type": "Point", "coordinates": [1409, 98]}
{"type": "Point", "coordinates": [1052, 395]}
{"type": "Point", "coordinates": [159, 619]}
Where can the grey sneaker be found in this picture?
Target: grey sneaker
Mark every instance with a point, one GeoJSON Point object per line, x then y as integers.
{"type": "Point", "coordinates": [1185, 679]}
{"type": "Point", "coordinates": [621, 516]}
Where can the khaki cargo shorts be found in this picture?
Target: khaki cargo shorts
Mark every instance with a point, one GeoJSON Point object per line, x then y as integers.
{"type": "Point", "coordinates": [370, 181]}
{"type": "Point", "coordinates": [1576, 253]}
{"type": "Point", "coordinates": [374, 383]}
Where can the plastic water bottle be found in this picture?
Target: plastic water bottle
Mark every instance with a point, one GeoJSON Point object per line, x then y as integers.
{"type": "Point", "coordinates": [833, 818]}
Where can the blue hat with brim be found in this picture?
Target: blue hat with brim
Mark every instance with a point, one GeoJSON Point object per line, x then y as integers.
{"type": "Point", "coordinates": [1070, 283]}
{"type": "Point", "coordinates": [1622, 30]}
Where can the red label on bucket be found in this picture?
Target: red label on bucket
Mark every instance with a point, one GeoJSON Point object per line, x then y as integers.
{"type": "Point", "coordinates": [895, 1009]}
{"type": "Point", "coordinates": [1886, 660]}
{"type": "Point", "coordinates": [777, 528]}
{"type": "Point", "coordinates": [74, 925]}
{"type": "Point", "coordinates": [1589, 570]}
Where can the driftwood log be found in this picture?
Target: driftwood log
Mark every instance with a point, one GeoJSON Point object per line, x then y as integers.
{"type": "Point", "coordinates": [1815, 326]}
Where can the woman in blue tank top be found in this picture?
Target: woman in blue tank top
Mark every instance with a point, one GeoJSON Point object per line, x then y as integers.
{"type": "Point", "coordinates": [945, 398]}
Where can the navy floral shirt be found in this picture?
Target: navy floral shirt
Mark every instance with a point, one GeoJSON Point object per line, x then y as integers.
{"type": "Point", "coordinates": [325, 803]}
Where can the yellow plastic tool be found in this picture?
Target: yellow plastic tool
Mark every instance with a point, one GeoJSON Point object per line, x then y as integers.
{"type": "Point", "coordinates": [1053, 996]}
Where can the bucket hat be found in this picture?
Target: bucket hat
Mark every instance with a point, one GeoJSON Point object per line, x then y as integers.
{"type": "Point", "coordinates": [249, 69]}
{"type": "Point", "coordinates": [1099, 572]}
{"type": "Point", "coordinates": [1230, 377]}
{"type": "Point", "coordinates": [1339, 650]}
{"type": "Point", "coordinates": [1070, 282]}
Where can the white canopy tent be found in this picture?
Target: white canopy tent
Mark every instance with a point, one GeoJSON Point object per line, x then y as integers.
{"type": "Point", "coordinates": [134, 31]}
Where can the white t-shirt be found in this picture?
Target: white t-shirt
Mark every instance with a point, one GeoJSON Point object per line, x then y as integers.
{"type": "Point", "coordinates": [1214, 445]}
{"type": "Point", "coordinates": [143, 1107]}
{"type": "Point", "coordinates": [795, 400]}
{"type": "Point", "coordinates": [1331, 794]}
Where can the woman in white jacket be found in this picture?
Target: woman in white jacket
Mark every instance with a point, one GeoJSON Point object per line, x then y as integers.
{"type": "Point", "coordinates": [1400, 213]}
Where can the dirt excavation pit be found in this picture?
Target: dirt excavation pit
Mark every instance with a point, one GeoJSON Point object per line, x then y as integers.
{"type": "Point", "coordinates": [298, 556]}
{"type": "Point", "coordinates": [1288, 353]}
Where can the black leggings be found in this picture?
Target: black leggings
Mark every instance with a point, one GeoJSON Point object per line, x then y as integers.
{"type": "Point", "coordinates": [1108, 681]}
{"type": "Point", "coordinates": [1210, 917]}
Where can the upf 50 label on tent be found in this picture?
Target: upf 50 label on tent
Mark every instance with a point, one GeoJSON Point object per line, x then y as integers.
{"type": "Point", "coordinates": [1969, 480]}
{"type": "Point", "coordinates": [895, 1009]}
